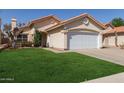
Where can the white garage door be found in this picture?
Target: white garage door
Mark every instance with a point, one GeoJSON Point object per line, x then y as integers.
{"type": "Point", "coordinates": [81, 40]}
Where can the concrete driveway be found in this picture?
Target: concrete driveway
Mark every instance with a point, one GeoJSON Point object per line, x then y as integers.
{"type": "Point", "coordinates": [114, 55]}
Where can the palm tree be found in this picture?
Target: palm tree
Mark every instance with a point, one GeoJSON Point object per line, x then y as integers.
{"type": "Point", "coordinates": [116, 22]}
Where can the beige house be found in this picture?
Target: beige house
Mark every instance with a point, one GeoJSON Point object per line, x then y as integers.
{"type": "Point", "coordinates": [114, 36]}
{"type": "Point", "coordinates": [79, 32]}
{"type": "Point", "coordinates": [41, 24]}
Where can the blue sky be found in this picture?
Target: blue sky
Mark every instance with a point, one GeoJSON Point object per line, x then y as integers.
{"type": "Point", "coordinates": [25, 15]}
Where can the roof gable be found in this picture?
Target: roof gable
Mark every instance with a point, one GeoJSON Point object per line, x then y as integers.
{"type": "Point", "coordinates": [36, 21]}
{"type": "Point", "coordinates": [45, 18]}
{"type": "Point", "coordinates": [76, 18]}
{"type": "Point", "coordinates": [116, 29]}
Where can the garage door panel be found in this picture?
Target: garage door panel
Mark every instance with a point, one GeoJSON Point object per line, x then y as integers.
{"type": "Point", "coordinates": [80, 40]}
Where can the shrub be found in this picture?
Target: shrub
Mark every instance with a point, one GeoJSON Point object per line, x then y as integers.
{"type": "Point", "coordinates": [23, 44]}
{"type": "Point", "coordinates": [37, 39]}
{"type": "Point", "coordinates": [26, 44]}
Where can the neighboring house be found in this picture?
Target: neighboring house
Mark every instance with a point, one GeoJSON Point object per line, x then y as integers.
{"type": "Point", "coordinates": [79, 32]}
{"type": "Point", "coordinates": [110, 36]}
{"type": "Point", "coordinates": [27, 32]}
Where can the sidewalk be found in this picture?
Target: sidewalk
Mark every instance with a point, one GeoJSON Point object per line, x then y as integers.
{"type": "Point", "coordinates": [55, 50]}
{"type": "Point", "coordinates": [117, 78]}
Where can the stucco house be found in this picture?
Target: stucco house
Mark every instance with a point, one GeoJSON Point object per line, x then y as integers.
{"type": "Point", "coordinates": [26, 33]}
{"type": "Point", "coordinates": [78, 32]}
{"type": "Point", "coordinates": [114, 36]}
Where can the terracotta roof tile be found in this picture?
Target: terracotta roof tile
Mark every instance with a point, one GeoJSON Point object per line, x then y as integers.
{"type": "Point", "coordinates": [108, 24]}
{"type": "Point", "coordinates": [44, 18]}
{"type": "Point", "coordinates": [39, 20]}
{"type": "Point", "coordinates": [116, 29]}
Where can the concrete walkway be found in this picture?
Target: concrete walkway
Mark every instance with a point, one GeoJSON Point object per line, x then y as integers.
{"type": "Point", "coordinates": [117, 78]}
{"type": "Point", "coordinates": [56, 51]}
{"type": "Point", "coordinates": [3, 46]}
{"type": "Point", "coordinates": [114, 55]}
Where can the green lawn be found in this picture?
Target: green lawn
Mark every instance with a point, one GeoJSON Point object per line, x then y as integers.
{"type": "Point", "coordinates": [38, 65]}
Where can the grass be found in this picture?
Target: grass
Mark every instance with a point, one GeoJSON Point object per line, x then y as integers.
{"type": "Point", "coordinates": [39, 65]}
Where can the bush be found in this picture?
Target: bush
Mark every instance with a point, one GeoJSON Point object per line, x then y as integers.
{"type": "Point", "coordinates": [37, 39]}
{"type": "Point", "coordinates": [26, 44]}
{"type": "Point", "coordinates": [23, 44]}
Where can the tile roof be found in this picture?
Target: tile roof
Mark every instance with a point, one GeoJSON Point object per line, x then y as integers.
{"type": "Point", "coordinates": [116, 29]}
{"type": "Point", "coordinates": [39, 20]}
{"type": "Point", "coordinates": [76, 17]}
{"type": "Point", "coordinates": [108, 24]}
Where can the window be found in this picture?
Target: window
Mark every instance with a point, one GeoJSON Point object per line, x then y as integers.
{"type": "Point", "coordinates": [22, 37]}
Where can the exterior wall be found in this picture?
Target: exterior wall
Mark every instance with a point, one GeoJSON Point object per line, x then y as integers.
{"type": "Point", "coordinates": [105, 41]}
{"type": "Point", "coordinates": [100, 45]}
{"type": "Point", "coordinates": [120, 39]}
{"type": "Point", "coordinates": [109, 28]}
{"type": "Point", "coordinates": [79, 24]}
{"type": "Point", "coordinates": [30, 38]}
{"type": "Point", "coordinates": [111, 40]}
{"type": "Point", "coordinates": [55, 38]}
{"type": "Point", "coordinates": [93, 26]}
{"type": "Point", "coordinates": [30, 33]}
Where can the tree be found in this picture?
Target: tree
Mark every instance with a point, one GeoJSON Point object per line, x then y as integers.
{"type": "Point", "coordinates": [21, 24]}
{"type": "Point", "coordinates": [12, 35]}
{"type": "Point", "coordinates": [116, 22]}
{"type": "Point", "coordinates": [37, 39]}
{"type": "Point", "coordinates": [7, 27]}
